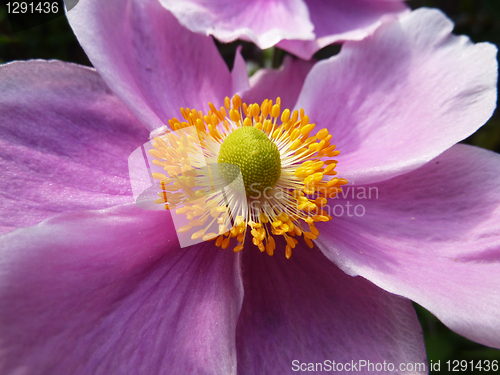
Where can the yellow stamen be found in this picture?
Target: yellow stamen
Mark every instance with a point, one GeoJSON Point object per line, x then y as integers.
{"type": "Point", "coordinates": [286, 203]}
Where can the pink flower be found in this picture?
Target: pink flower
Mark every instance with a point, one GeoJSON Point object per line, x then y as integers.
{"type": "Point", "coordinates": [91, 284]}
{"type": "Point", "coordinates": [301, 27]}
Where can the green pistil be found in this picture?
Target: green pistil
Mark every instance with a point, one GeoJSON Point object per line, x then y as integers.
{"type": "Point", "coordinates": [257, 157]}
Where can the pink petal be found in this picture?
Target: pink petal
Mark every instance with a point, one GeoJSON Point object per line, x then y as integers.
{"type": "Point", "coordinates": [433, 236]}
{"type": "Point", "coordinates": [110, 292]}
{"type": "Point", "coordinates": [285, 83]}
{"type": "Point", "coordinates": [64, 142]}
{"type": "Point", "coordinates": [239, 74]}
{"type": "Point", "coordinates": [151, 62]}
{"type": "Point", "coordinates": [341, 20]}
{"type": "Point", "coordinates": [263, 22]}
{"type": "Point", "coordinates": [402, 96]}
{"type": "Point", "coordinates": [306, 309]}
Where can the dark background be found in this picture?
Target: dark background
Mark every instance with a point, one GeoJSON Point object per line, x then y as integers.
{"type": "Point", "coordinates": [479, 19]}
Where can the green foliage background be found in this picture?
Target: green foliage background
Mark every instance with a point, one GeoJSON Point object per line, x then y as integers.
{"type": "Point", "coordinates": [479, 19]}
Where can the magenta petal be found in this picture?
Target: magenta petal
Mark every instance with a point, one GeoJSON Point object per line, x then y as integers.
{"type": "Point", "coordinates": [432, 235]}
{"type": "Point", "coordinates": [402, 96]}
{"type": "Point", "coordinates": [263, 22]}
{"type": "Point", "coordinates": [340, 20]}
{"type": "Point", "coordinates": [151, 62]}
{"type": "Point", "coordinates": [239, 74]}
{"type": "Point", "coordinates": [64, 142]}
{"type": "Point", "coordinates": [111, 292]}
{"type": "Point", "coordinates": [285, 83]}
{"type": "Point", "coordinates": [306, 309]}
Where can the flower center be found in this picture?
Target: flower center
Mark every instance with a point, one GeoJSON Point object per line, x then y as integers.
{"type": "Point", "coordinates": [287, 173]}
{"type": "Point", "coordinates": [257, 157]}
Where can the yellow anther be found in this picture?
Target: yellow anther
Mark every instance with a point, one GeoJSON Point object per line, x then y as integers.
{"type": "Point", "coordinates": [268, 126]}
{"type": "Point", "coordinates": [314, 230]}
{"type": "Point", "coordinates": [219, 240]}
{"type": "Point", "coordinates": [236, 102]}
{"type": "Point", "coordinates": [266, 107]}
{"type": "Point", "coordinates": [255, 110]}
{"type": "Point", "coordinates": [209, 236]}
{"type": "Point", "coordinates": [270, 240]}
{"type": "Point", "coordinates": [300, 173]}
{"type": "Point", "coordinates": [158, 176]}
{"type": "Point", "coordinates": [295, 134]}
{"type": "Point", "coordinates": [308, 242]}
{"type": "Point", "coordinates": [198, 234]}
{"type": "Point", "coordinates": [234, 115]}
{"type": "Point", "coordinates": [283, 217]}
{"type": "Point", "coordinates": [182, 210]}
{"type": "Point", "coordinates": [200, 126]}
{"type": "Point", "coordinates": [213, 212]}
{"type": "Point", "coordinates": [197, 222]}
{"type": "Point", "coordinates": [238, 248]}
{"type": "Point", "coordinates": [314, 147]}
{"type": "Point", "coordinates": [184, 113]}
{"type": "Point", "coordinates": [233, 232]}
{"type": "Point", "coordinates": [275, 112]}
{"type": "Point", "coordinates": [332, 154]}
{"type": "Point", "coordinates": [322, 134]}
{"type": "Point", "coordinates": [307, 129]}
{"type": "Point", "coordinates": [304, 118]}
{"type": "Point", "coordinates": [277, 133]}
{"type": "Point", "coordinates": [184, 229]}
{"type": "Point", "coordinates": [269, 249]}
{"type": "Point", "coordinates": [262, 233]}
{"type": "Point", "coordinates": [277, 223]}
{"type": "Point", "coordinates": [329, 168]}
{"type": "Point", "coordinates": [263, 107]}
{"type": "Point", "coordinates": [247, 122]}
{"type": "Point", "coordinates": [254, 225]}
{"type": "Point", "coordinates": [225, 243]}
{"type": "Point", "coordinates": [290, 242]}
{"type": "Point", "coordinates": [263, 218]}
{"type": "Point", "coordinates": [295, 145]}
{"type": "Point", "coordinates": [285, 115]}
{"type": "Point", "coordinates": [320, 201]}
{"type": "Point", "coordinates": [310, 235]}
